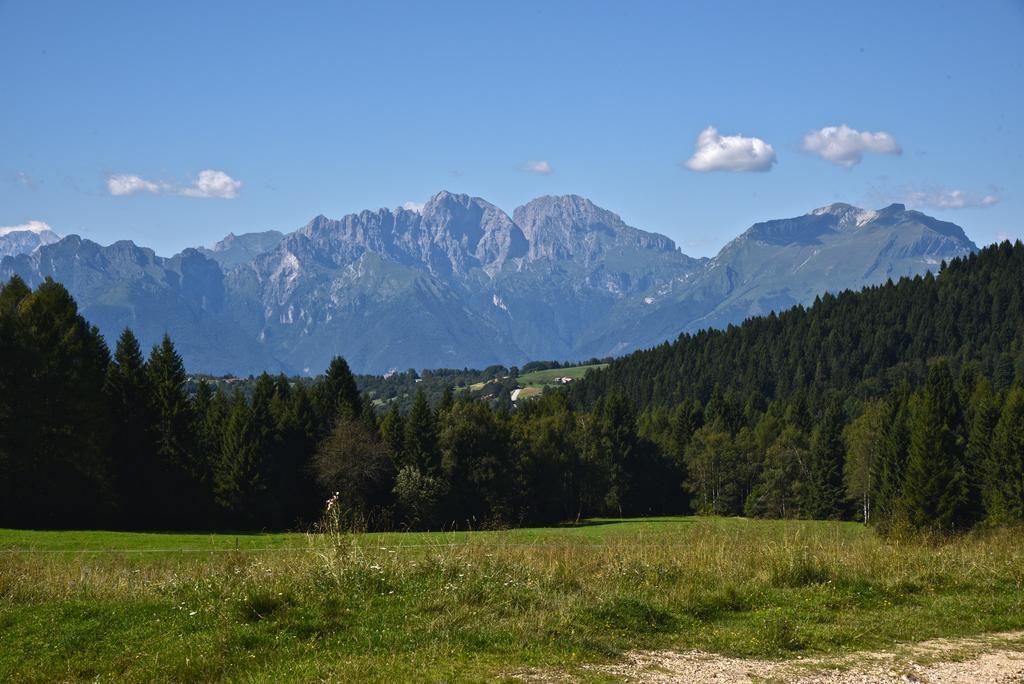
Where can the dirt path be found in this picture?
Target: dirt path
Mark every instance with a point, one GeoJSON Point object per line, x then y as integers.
{"type": "Point", "coordinates": [990, 659]}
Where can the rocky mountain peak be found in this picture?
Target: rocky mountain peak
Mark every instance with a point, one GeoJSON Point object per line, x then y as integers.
{"type": "Point", "coordinates": [847, 216]}
{"type": "Point", "coordinates": [570, 226]}
{"type": "Point", "coordinates": [25, 238]}
{"type": "Point", "coordinates": [573, 212]}
{"type": "Point", "coordinates": [462, 283]}
{"type": "Point", "coordinates": [234, 250]}
{"type": "Point", "coordinates": [465, 232]}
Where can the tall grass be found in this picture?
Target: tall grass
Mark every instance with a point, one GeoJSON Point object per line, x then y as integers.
{"type": "Point", "coordinates": [353, 605]}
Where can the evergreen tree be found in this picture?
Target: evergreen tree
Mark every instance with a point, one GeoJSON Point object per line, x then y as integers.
{"type": "Point", "coordinates": [298, 491]}
{"type": "Point", "coordinates": [891, 464]}
{"type": "Point", "coordinates": [825, 497]}
{"type": "Point", "coordinates": [184, 498]}
{"type": "Point", "coordinates": [780, 490]}
{"type": "Point", "coordinates": [982, 472]}
{"type": "Point", "coordinates": [618, 428]}
{"type": "Point", "coordinates": [369, 418]}
{"type": "Point", "coordinates": [1004, 372]}
{"type": "Point", "coordinates": [57, 426]}
{"type": "Point", "coordinates": [1005, 484]}
{"type": "Point", "coordinates": [477, 464]}
{"type": "Point", "coordinates": [447, 400]}
{"type": "Point", "coordinates": [337, 395]}
{"type": "Point", "coordinates": [265, 507]}
{"type": "Point", "coordinates": [392, 431]}
{"type": "Point", "coordinates": [239, 476]}
{"type": "Point", "coordinates": [935, 491]}
{"type": "Point", "coordinates": [550, 461]}
{"type": "Point", "coordinates": [136, 475]}
{"type": "Point", "coordinates": [16, 394]}
{"type": "Point", "coordinates": [687, 418]}
{"type": "Point", "coordinates": [419, 447]}
{"type": "Point", "coordinates": [210, 410]}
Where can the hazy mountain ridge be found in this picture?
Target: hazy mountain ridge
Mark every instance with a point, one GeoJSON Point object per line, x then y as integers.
{"type": "Point", "coordinates": [14, 241]}
{"type": "Point", "coordinates": [462, 283]}
{"type": "Point", "coordinates": [234, 250]}
{"type": "Point", "coordinates": [123, 285]}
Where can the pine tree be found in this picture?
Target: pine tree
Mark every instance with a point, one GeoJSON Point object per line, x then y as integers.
{"type": "Point", "coordinates": [982, 471]}
{"type": "Point", "coordinates": [239, 478]}
{"type": "Point", "coordinates": [419, 447]}
{"type": "Point", "coordinates": [935, 491]}
{"type": "Point", "coordinates": [210, 412]}
{"type": "Point", "coordinates": [298, 491]}
{"type": "Point", "coordinates": [15, 398]}
{"type": "Point", "coordinates": [265, 507]}
{"type": "Point", "coordinates": [136, 475]}
{"type": "Point", "coordinates": [687, 418]}
{"type": "Point", "coordinates": [825, 491]}
{"type": "Point", "coordinates": [369, 419]}
{"type": "Point", "coordinates": [477, 464]}
{"type": "Point", "coordinates": [184, 497]}
{"type": "Point", "coordinates": [447, 400]}
{"type": "Point", "coordinates": [1005, 484]}
{"type": "Point", "coordinates": [1004, 372]}
{"type": "Point", "coordinates": [780, 490]}
{"type": "Point", "coordinates": [336, 395]}
{"type": "Point", "coordinates": [618, 427]}
{"type": "Point", "coordinates": [392, 431]}
{"type": "Point", "coordinates": [549, 460]}
{"type": "Point", "coordinates": [891, 464]}
{"type": "Point", "coordinates": [59, 427]}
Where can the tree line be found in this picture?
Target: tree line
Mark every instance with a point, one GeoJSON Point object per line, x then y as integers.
{"type": "Point", "coordinates": [900, 406]}
{"type": "Point", "coordinates": [94, 439]}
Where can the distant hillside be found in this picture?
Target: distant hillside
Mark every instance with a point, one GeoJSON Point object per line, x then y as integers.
{"type": "Point", "coordinates": [858, 342]}
{"type": "Point", "coordinates": [460, 283]}
{"type": "Point", "coordinates": [235, 250]}
{"type": "Point", "coordinates": [25, 239]}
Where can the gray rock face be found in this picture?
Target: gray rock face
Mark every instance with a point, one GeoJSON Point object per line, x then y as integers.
{"type": "Point", "coordinates": [451, 236]}
{"type": "Point", "coordinates": [572, 227]}
{"type": "Point", "coordinates": [239, 249]}
{"type": "Point", "coordinates": [123, 285]}
{"type": "Point", "coordinates": [461, 283]}
{"type": "Point", "coordinates": [777, 264]}
{"type": "Point", "coordinates": [15, 242]}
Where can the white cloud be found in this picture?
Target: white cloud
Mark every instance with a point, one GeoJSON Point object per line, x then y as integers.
{"type": "Point", "coordinates": [942, 198]}
{"type": "Point", "coordinates": [126, 184]}
{"type": "Point", "coordinates": [413, 206]}
{"type": "Point", "coordinates": [213, 184]}
{"type": "Point", "coordinates": [31, 226]}
{"type": "Point", "coordinates": [210, 183]}
{"type": "Point", "coordinates": [715, 152]}
{"type": "Point", "coordinates": [844, 146]}
{"type": "Point", "coordinates": [540, 166]}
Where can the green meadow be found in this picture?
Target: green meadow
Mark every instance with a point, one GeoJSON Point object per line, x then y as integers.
{"type": "Point", "coordinates": [483, 605]}
{"type": "Point", "coordinates": [551, 375]}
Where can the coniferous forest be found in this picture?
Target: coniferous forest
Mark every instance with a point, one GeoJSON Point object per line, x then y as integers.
{"type": "Point", "coordinates": [901, 405]}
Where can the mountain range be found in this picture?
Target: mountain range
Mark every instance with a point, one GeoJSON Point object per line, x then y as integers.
{"type": "Point", "coordinates": [462, 283]}
{"type": "Point", "coordinates": [25, 238]}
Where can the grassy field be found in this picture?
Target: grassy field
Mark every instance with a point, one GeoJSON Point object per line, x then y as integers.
{"type": "Point", "coordinates": [550, 376]}
{"type": "Point", "coordinates": [471, 606]}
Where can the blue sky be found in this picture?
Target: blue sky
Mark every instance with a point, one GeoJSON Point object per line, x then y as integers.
{"type": "Point", "coordinates": [297, 109]}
